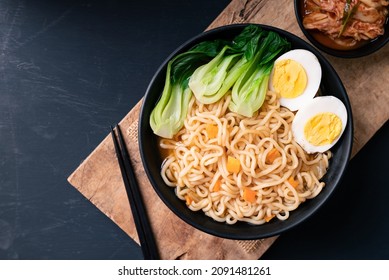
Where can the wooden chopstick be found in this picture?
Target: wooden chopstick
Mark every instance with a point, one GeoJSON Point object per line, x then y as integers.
{"type": "Point", "coordinates": [145, 234]}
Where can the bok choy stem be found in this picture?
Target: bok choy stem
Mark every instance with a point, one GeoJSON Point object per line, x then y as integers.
{"type": "Point", "coordinates": [211, 81]}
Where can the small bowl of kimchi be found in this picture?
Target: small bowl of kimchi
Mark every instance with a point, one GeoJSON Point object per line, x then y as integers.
{"type": "Point", "coordinates": [344, 28]}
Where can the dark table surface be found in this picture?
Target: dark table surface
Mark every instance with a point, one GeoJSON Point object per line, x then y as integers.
{"type": "Point", "coordinates": [70, 69]}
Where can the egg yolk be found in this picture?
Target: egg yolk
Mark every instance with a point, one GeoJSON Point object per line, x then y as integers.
{"type": "Point", "coordinates": [289, 79]}
{"type": "Point", "coordinates": [323, 129]}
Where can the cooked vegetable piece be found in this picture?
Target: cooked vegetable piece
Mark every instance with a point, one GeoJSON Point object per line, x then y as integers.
{"type": "Point", "coordinates": [249, 91]}
{"type": "Point", "coordinates": [168, 115]}
{"type": "Point", "coordinates": [272, 155]}
{"type": "Point", "coordinates": [188, 200]}
{"type": "Point", "coordinates": [211, 130]}
{"type": "Point", "coordinates": [268, 218]}
{"type": "Point", "coordinates": [207, 80]}
{"type": "Point", "coordinates": [233, 165]}
{"type": "Point", "coordinates": [293, 182]}
{"type": "Point", "coordinates": [211, 81]}
{"type": "Point", "coordinates": [249, 195]}
{"type": "Point", "coordinates": [348, 13]}
{"type": "Point", "coordinates": [217, 186]}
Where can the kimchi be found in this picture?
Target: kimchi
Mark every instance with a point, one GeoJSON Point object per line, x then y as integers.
{"type": "Point", "coordinates": [347, 22]}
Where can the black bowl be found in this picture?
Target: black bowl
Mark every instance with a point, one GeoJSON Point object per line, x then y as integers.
{"type": "Point", "coordinates": [363, 50]}
{"type": "Point", "coordinates": [148, 145]}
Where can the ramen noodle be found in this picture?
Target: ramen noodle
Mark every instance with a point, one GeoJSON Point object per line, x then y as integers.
{"type": "Point", "coordinates": [260, 189]}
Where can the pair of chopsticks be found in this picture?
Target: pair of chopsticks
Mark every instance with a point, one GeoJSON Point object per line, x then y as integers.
{"type": "Point", "coordinates": [146, 238]}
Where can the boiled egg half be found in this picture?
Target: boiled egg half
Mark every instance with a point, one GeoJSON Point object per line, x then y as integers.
{"type": "Point", "coordinates": [319, 124]}
{"type": "Point", "coordinates": [295, 77]}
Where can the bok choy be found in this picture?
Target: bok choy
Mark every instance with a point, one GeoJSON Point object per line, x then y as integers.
{"type": "Point", "coordinates": [249, 91]}
{"type": "Point", "coordinates": [169, 114]}
{"type": "Point", "coordinates": [211, 81]}
{"type": "Point", "coordinates": [211, 69]}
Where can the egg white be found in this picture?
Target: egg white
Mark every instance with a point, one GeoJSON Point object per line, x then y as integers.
{"type": "Point", "coordinates": [312, 68]}
{"type": "Point", "coordinates": [321, 104]}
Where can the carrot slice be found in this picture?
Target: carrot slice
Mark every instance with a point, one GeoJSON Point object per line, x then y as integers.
{"type": "Point", "coordinates": [233, 165]}
{"type": "Point", "coordinates": [211, 130]}
{"type": "Point", "coordinates": [188, 200]}
{"type": "Point", "coordinates": [268, 218]}
{"type": "Point", "coordinates": [249, 195]}
{"type": "Point", "coordinates": [217, 186]}
{"type": "Point", "coordinates": [293, 182]}
{"type": "Point", "coordinates": [272, 155]}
